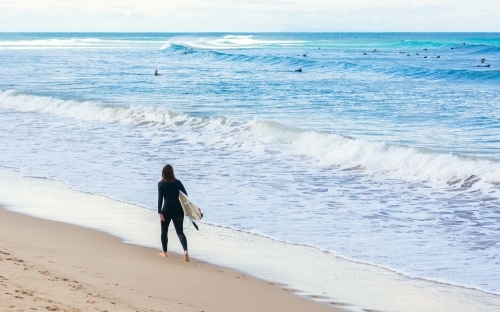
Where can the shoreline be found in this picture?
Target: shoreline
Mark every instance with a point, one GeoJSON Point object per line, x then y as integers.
{"type": "Point", "coordinates": [312, 274]}
{"type": "Point", "coordinates": [315, 248]}
{"type": "Point", "coordinates": [57, 266]}
{"type": "Point", "coordinates": [343, 258]}
{"type": "Point", "coordinates": [265, 236]}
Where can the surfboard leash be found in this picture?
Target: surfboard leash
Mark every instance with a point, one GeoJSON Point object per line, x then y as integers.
{"type": "Point", "coordinates": [193, 223]}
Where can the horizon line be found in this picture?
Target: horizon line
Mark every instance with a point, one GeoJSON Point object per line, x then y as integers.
{"type": "Point", "coordinates": [262, 32]}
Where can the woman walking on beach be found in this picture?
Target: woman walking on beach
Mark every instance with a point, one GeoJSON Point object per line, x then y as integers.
{"type": "Point", "coordinates": [168, 196]}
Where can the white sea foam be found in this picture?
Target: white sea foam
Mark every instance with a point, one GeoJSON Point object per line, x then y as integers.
{"type": "Point", "coordinates": [323, 148]}
{"type": "Point", "coordinates": [330, 149]}
{"type": "Point", "coordinates": [226, 42]}
{"type": "Point", "coordinates": [340, 193]}
{"type": "Point", "coordinates": [50, 42]}
{"type": "Point", "coordinates": [341, 280]}
{"type": "Point", "coordinates": [75, 43]}
{"type": "Point", "coordinates": [398, 205]}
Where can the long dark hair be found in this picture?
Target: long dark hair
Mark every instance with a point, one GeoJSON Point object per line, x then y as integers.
{"type": "Point", "coordinates": [167, 174]}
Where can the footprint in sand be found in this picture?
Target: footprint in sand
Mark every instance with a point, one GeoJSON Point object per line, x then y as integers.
{"type": "Point", "coordinates": [339, 303]}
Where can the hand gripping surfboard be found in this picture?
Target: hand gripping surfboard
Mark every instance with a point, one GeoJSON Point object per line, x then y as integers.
{"type": "Point", "coordinates": [190, 209]}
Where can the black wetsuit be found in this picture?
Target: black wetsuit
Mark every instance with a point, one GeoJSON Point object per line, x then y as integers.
{"type": "Point", "coordinates": [168, 195]}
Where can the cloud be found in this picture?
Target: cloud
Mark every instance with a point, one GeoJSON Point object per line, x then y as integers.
{"type": "Point", "coordinates": [249, 15]}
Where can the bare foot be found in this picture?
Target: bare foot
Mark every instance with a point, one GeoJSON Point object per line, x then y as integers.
{"type": "Point", "coordinates": [163, 254]}
{"type": "Point", "coordinates": [186, 256]}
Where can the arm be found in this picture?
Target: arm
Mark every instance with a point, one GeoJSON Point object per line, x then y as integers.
{"type": "Point", "coordinates": [182, 188]}
{"type": "Point", "coordinates": [160, 197]}
{"type": "Point", "coordinates": [161, 191]}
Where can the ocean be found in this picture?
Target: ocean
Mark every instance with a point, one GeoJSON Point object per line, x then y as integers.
{"type": "Point", "coordinates": [384, 149]}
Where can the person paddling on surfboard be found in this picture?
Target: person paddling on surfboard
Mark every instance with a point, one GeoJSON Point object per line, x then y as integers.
{"type": "Point", "coordinates": [168, 197]}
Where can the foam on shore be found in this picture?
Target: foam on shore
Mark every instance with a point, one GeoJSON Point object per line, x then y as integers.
{"type": "Point", "coordinates": [302, 268]}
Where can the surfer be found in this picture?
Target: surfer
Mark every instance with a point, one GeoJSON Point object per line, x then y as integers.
{"type": "Point", "coordinates": [168, 196]}
{"type": "Point", "coordinates": [298, 70]}
{"type": "Point", "coordinates": [156, 73]}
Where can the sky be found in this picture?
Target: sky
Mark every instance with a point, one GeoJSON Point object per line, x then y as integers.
{"type": "Point", "coordinates": [249, 15]}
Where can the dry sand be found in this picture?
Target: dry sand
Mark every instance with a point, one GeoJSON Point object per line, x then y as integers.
{"type": "Point", "coordinates": [52, 266]}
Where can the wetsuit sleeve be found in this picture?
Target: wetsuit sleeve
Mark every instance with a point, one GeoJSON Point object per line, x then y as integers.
{"type": "Point", "coordinates": [161, 193]}
{"type": "Point", "coordinates": [181, 187]}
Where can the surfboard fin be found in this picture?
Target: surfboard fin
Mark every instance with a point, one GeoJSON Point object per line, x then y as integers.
{"type": "Point", "coordinates": [195, 226]}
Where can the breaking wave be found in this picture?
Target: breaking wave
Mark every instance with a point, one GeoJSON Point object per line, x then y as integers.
{"type": "Point", "coordinates": [71, 43]}
{"type": "Point", "coordinates": [227, 42]}
{"type": "Point", "coordinates": [322, 148]}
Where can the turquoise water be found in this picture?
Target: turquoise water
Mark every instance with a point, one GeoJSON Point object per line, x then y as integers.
{"type": "Point", "coordinates": [385, 149]}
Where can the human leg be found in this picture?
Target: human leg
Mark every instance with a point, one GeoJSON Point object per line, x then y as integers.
{"type": "Point", "coordinates": [164, 234]}
{"type": "Point", "coordinates": [178, 222]}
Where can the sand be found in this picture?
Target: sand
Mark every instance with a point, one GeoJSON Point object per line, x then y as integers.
{"type": "Point", "coordinates": [316, 275]}
{"type": "Point", "coordinates": [53, 266]}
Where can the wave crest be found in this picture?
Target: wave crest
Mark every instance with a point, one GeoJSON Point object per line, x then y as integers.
{"type": "Point", "coordinates": [226, 42]}
{"type": "Point", "coordinates": [320, 147]}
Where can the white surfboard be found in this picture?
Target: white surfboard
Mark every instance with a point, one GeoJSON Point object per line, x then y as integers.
{"type": "Point", "coordinates": [190, 209]}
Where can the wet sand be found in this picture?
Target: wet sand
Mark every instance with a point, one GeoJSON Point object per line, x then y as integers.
{"type": "Point", "coordinates": [54, 266]}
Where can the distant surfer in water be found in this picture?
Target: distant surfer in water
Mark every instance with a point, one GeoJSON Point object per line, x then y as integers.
{"type": "Point", "coordinates": [168, 197]}
{"type": "Point", "coordinates": [156, 73]}
{"type": "Point", "coordinates": [298, 70]}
